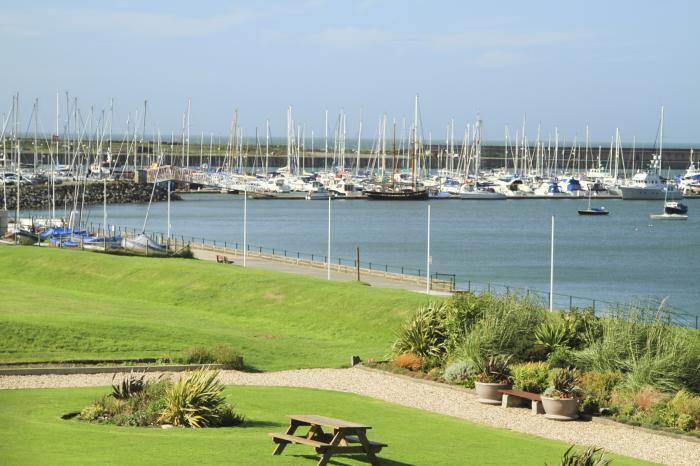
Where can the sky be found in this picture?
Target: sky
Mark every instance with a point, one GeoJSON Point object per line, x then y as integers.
{"type": "Point", "coordinates": [558, 64]}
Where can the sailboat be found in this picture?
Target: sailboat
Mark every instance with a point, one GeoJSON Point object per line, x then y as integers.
{"type": "Point", "coordinates": [672, 211]}
{"type": "Point", "coordinates": [593, 210]}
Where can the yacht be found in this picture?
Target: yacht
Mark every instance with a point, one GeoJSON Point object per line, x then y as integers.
{"type": "Point", "coordinates": [647, 185]}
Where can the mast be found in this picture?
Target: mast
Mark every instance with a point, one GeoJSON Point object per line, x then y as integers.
{"type": "Point", "coordinates": [661, 142]}
{"type": "Point", "coordinates": [415, 143]}
{"type": "Point", "coordinates": [325, 159]}
{"type": "Point", "coordinates": [359, 143]}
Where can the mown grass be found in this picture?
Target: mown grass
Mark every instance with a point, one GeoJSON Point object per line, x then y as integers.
{"type": "Point", "coordinates": [61, 305]}
{"type": "Point", "coordinates": [33, 433]}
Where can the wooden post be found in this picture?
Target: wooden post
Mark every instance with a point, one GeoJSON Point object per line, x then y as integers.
{"type": "Point", "coordinates": [357, 261]}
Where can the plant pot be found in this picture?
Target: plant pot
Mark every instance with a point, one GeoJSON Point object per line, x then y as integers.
{"type": "Point", "coordinates": [488, 392]}
{"type": "Point", "coordinates": [560, 409]}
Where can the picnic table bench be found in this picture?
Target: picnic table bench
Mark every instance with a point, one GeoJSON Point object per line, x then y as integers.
{"type": "Point", "coordinates": [509, 395]}
{"type": "Point", "coordinates": [346, 437]}
{"type": "Point", "coordinates": [223, 259]}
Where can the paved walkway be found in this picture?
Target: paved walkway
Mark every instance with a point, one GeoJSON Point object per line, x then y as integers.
{"type": "Point", "coordinates": [617, 438]}
{"type": "Point", "coordinates": [318, 272]}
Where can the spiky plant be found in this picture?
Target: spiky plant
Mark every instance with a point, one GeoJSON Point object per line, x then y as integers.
{"type": "Point", "coordinates": [496, 370]}
{"type": "Point", "coordinates": [592, 456]}
{"type": "Point", "coordinates": [564, 385]}
{"type": "Point", "coordinates": [130, 385]}
{"type": "Point", "coordinates": [552, 334]}
{"type": "Point", "coordinates": [423, 334]}
{"type": "Point", "coordinates": [194, 400]}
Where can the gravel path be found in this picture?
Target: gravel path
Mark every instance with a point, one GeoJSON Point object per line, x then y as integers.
{"type": "Point", "coordinates": [621, 439]}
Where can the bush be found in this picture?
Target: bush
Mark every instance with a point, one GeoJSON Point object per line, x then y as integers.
{"type": "Point", "coordinates": [597, 389]}
{"type": "Point", "coordinates": [423, 334]}
{"type": "Point", "coordinates": [530, 376]}
{"type": "Point", "coordinates": [686, 409]}
{"type": "Point", "coordinates": [592, 456]}
{"type": "Point", "coordinates": [562, 357]}
{"type": "Point", "coordinates": [195, 400]}
{"type": "Point", "coordinates": [582, 326]}
{"type": "Point", "coordinates": [507, 327]}
{"type": "Point", "coordinates": [228, 357]}
{"type": "Point", "coordinates": [409, 361]}
{"type": "Point", "coordinates": [199, 355]}
{"type": "Point", "coordinates": [458, 372]}
{"type": "Point", "coordinates": [640, 343]}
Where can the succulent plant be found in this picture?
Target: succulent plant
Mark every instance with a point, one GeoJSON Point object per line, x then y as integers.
{"type": "Point", "coordinates": [565, 385]}
{"type": "Point", "coordinates": [496, 370]}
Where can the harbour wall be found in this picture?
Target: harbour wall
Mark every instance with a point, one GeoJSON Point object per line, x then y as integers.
{"type": "Point", "coordinates": [36, 196]}
{"type": "Point", "coordinates": [492, 156]}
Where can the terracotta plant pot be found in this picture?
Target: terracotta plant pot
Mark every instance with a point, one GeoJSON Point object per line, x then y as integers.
{"type": "Point", "coordinates": [560, 409]}
{"type": "Point", "coordinates": [488, 392]}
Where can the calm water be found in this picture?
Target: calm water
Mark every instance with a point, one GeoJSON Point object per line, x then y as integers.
{"type": "Point", "coordinates": [622, 257]}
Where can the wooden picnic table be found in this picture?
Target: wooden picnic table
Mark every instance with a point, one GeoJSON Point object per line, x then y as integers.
{"type": "Point", "coordinates": [346, 437]}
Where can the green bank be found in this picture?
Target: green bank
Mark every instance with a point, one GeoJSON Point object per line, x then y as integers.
{"type": "Point", "coordinates": [62, 305]}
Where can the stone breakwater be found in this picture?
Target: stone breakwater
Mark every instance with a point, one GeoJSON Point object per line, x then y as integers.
{"type": "Point", "coordinates": [36, 197]}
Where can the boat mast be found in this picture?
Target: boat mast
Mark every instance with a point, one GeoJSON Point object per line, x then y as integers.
{"type": "Point", "coordinates": [415, 143]}
{"type": "Point", "coordinates": [661, 141]}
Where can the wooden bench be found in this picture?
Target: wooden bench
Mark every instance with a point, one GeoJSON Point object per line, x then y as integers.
{"type": "Point", "coordinates": [510, 395]}
{"type": "Point", "coordinates": [346, 438]}
{"type": "Point", "coordinates": [223, 260]}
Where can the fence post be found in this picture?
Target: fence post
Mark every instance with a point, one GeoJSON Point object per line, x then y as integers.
{"type": "Point", "coordinates": [469, 286]}
{"type": "Point", "coordinates": [386, 267]}
{"type": "Point", "coordinates": [507, 290]}
{"type": "Point", "coordinates": [571, 303]}
{"type": "Point", "coordinates": [696, 322]}
{"type": "Point", "coordinates": [489, 287]}
{"type": "Point", "coordinates": [594, 307]}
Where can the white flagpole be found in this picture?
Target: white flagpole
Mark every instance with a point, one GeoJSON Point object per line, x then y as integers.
{"type": "Point", "coordinates": [551, 271]}
{"type": "Point", "coordinates": [328, 261]}
{"type": "Point", "coordinates": [427, 275]}
{"type": "Point", "coordinates": [245, 220]}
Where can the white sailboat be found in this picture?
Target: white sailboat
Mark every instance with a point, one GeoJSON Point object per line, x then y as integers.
{"type": "Point", "coordinates": [672, 211]}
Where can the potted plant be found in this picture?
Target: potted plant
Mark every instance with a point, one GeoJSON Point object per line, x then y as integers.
{"type": "Point", "coordinates": [560, 401]}
{"type": "Point", "coordinates": [494, 376]}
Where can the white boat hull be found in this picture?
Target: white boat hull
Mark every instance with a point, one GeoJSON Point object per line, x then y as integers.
{"type": "Point", "coordinates": [482, 195]}
{"type": "Point", "coordinates": [631, 193]}
{"type": "Point", "coordinates": [668, 217]}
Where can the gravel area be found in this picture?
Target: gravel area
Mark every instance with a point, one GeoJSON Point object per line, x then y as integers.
{"type": "Point", "coordinates": [625, 440]}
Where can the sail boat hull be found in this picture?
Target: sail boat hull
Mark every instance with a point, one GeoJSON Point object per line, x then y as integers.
{"type": "Point", "coordinates": [648, 194]}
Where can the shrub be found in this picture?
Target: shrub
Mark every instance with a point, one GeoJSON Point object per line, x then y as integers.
{"type": "Point", "coordinates": [686, 407]}
{"type": "Point", "coordinates": [199, 355]}
{"type": "Point", "coordinates": [409, 361]}
{"type": "Point", "coordinates": [495, 370]}
{"type": "Point", "coordinates": [92, 412]}
{"type": "Point", "coordinates": [530, 376]}
{"type": "Point", "coordinates": [582, 326]}
{"type": "Point", "coordinates": [194, 400]}
{"type": "Point", "coordinates": [640, 343]}
{"type": "Point", "coordinates": [506, 327]}
{"type": "Point", "coordinates": [129, 386]}
{"type": "Point", "coordinates": [561, 357]}
{"type": "Point", "coordinates": [229, 357]}
{"type": "Point", "coordinates": [423, 334]}
{"type": "Point", "coordinates": [597, 389]}
{"type": "Point", "coordinates": [552, 334]}
{"type": "Point", "coordinates": [592, 456]}
{"type": "Point", "coordinates": [564, 385]}
{"type": "Point", "coordinates": [458, 372]}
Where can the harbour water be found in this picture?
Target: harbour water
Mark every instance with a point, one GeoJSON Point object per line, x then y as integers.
{"type": "Point", "coordinates": [622, 257]}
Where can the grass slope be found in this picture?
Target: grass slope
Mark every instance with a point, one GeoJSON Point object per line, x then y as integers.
{"type": "Point", "coordinates": [32, 433]}
{"type": "Point", "coordinates": [60, 304]}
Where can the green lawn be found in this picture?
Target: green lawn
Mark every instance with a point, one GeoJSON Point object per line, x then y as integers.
{"type": "Point", "coordinates": [33, 433]}
{"type": "Point", "coordinates": [60, 304]}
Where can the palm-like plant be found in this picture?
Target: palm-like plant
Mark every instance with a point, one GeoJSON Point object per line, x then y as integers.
{"type": "Point", "coordinates": [194, 400]}
{"type": "Point", "coordinates": [564, 385]}
{"type": "Point", "coordinates": [129, 386]}
{"type": "Point", "coordinates": [423, 334]}
{"type": "Point", "coordinates": [552, 334]}
{"type": "Point", "coordinates": [496, 370]}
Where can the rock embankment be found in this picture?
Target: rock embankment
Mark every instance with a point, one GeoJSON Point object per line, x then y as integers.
{"type": "Point", "coordinates": [118, 192]}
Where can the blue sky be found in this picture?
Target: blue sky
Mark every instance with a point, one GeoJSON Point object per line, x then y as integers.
{"type": "Point", "coordinates": [608, 64]}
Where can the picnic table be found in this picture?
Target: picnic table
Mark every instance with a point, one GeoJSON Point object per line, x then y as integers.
{"type": "Point", "coordinates": [346, 437]}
